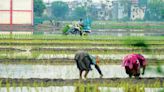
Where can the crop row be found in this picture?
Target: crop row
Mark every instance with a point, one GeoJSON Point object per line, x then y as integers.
{"type": "Point", "coordinates": [76, 37]}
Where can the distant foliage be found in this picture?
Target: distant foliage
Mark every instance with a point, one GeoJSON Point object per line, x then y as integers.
{"type": "Point", "coordinates": [59, 9]}
{"type": "Point", "coordinates": [79, 12]}
{"type": "Point", "coordinates": [155, 10]}
{"type": "Point", "coordinates": [39, 7]}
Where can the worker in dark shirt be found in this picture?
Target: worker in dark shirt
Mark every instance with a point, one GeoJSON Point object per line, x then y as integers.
{"type": "Point", "coordinates": [84, 62]}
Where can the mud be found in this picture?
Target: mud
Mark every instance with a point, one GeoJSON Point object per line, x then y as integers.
{"type": "Point", "coordinates": [100, 81]}
{"type": "Point", "coordinates": [65, 61]}
{"type": "Point", "coordinates": [70, 44]}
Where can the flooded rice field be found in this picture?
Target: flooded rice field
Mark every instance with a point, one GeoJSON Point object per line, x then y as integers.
{"type": "Point", "coordinates": [67, 71]}
{"type": "Point", "coordinates": [73, 89]}
{"type": "Point", "coordinates": [129, 32]}
{"type": "Point", "coordinates": [122, 32]}
{"type": "Point", "coordinates": [111, 56]}
{"type": "Point", "coordinates": [66, 75]}
{"type": "Point", "coordinates": [110, 32]}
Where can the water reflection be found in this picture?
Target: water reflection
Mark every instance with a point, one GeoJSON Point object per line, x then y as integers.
{"type": "Point", "coordinates": [66, 71]}
{"type": "Point", "coordinates": [112, 32]}
{"type": "Point", "coordinates": [61, 89]}
{"type": "Point", "coordinates": [98, 89]}
{"type": "Point", "coordinates": [77, 89]}
{"type": "Point", "coordinates": [38, 89]}
{"type": "Point", "coordinates": [128, 32]}
{"type": "Point", "coordinates": [154, 89]}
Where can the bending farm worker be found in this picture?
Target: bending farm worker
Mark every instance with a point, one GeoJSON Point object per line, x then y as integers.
{"type": "Point", "coordinates": [84, 62]}
{"type": "Point", "coordinates": [133, 63]}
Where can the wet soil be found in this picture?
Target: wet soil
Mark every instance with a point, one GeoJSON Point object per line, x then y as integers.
{"type": "Point", "coordinates": [65, 61]}
{"type": "Point", "coordinates": [99, 81]}
{"type": "Point", "coordinates": [70, 44]}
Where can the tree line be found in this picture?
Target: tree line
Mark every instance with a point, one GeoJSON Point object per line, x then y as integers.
{"type": "Point", "coordinates": [60, 10]}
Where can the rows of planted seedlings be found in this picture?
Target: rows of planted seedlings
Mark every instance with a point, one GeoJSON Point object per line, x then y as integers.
{"type": "Point", "coordinates": [72, 50]}
{"type": "Point", "coordinates": [113, 82]}
{"type": "Point", "coordinates": [16, 48]}
{"type": "Point", "coordinates": [49, 85]}
{"type": "Point", "coordinates": [63, 37]}
{"type": "Point", "coordinates": [67, 57]}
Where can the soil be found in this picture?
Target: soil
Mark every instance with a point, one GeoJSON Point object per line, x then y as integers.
{"type": "Point", "coordinates": [65, 61]}
{"type": "Point", "coordinates": [148, 82]}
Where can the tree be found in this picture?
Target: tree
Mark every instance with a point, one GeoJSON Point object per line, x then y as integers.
{"type": "Point", "coordinates": [59, 9]}
{"type": "Point", "coordinates": [162, 13]}
{"type": "Point", "coordinates": [143, 3]}
{"type": "Point", "coordinates": [79, 12]}
{"type": "Point", "coordinates": [154, 10]}
{"type": "Point", "coordinates": [39, 7]}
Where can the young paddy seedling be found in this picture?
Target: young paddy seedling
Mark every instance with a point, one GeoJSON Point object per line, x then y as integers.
{"type": "Point", "coordinates": [7, 86]}
{"type": "Point", "coordinates": [35, 85]}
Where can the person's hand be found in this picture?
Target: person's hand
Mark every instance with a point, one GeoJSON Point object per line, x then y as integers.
{"type": "Point", "coordinates": [101, 75]}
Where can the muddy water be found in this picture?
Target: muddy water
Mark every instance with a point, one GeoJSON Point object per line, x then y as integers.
{"type": "Point", "coordinates": [122, 32]}
{"type": "Point", "coordinates": [111, 32]}
{"type": "Point", "coordinates": [102, 56]}
{"type": "Point", "coordinates": [71, 89]}
{"type": "Point", "coordinates": [66, 71]}
{"type": "Point", "coordinates": [128, 32]}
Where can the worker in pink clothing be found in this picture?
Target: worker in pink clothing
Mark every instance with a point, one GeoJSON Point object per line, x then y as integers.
{"type": "Point", "coordinates": [133, 63]}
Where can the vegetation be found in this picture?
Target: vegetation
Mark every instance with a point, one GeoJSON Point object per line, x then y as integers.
{"type": "Point", "coordinates": [78, 87]}
{"type": "Point", "coordinates": [39, 7]}
{"type": "Point", "coordinates": [155, 10]}
{"type": "Point", "coordinates": [79, 12]}
{"type": "Point", "coordinates": [32, 47]}
{"type": "Point", "coordinates": [59, 9]}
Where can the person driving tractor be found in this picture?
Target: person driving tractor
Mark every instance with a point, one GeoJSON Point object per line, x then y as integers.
{"type": "Point", "coordinates": [82, 27]}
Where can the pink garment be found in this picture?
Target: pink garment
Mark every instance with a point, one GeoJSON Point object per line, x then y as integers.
{"type": "Point", "coordinates": [133, 59]}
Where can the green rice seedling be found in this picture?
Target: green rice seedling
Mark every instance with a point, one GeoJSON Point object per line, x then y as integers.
{"type": "Point", "coordinates": [21, 86]}
{"type": "Point", "coordinates": [0, 84]}
{"type": "Point", "coordinates": [14, 85]}
{"type": "Point", "coordinates": [156, 84]}
{"type": "Point", "coordinates": [133, 88]}
{"type": "Point", "coordinates": [159, 69]}
{"type": "Point", "coordinates": [7, 86]}
{"type": "Point", "coordinates": [28, 88]}
{"type": "Point", "coordinates": [35, 86]}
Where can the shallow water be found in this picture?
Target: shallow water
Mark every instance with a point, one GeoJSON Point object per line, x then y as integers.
{"type": "Point", "coordinates": [111, 32]}
{"type": "Point", "coordinates": [66, 71]}
{"type": "Point", "coordinates": [70, 89]}
{"type": "Point", "coordinates": [128, 33]}
{"type": "Point", "coordinates": [102, 56]}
